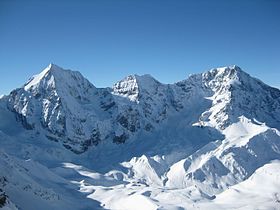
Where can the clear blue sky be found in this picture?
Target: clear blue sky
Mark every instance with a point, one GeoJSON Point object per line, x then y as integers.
{"type": "Point", "coordinates": [108, 39]}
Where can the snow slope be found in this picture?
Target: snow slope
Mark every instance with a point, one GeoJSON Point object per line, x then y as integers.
{"type": "Point", "coordinates": [201, 143]}
{"type": "Point", "coordinates": [261, 190]}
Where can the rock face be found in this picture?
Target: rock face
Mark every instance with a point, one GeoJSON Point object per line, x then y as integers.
{"type": "Point", "coordinates": [68, 109]}
{"type": "Point", "coordinates": [236, 93]}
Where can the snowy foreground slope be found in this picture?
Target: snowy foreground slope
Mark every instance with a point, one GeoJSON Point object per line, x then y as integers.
{"type": "Point", "coordinates": [211, 141]}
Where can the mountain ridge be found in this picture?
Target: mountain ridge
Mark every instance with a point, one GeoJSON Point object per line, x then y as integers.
{"type": "Point", "coordinates": [139, 141]}
{"type": "Point", "coordinates": [64, 98]}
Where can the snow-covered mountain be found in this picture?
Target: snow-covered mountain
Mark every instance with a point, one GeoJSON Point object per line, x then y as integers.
{"type": "Point", "coordinates": [140, 144]}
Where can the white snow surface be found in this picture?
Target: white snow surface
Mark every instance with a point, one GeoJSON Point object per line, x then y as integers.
{"type": "Point", "coordinates": [211, 141]}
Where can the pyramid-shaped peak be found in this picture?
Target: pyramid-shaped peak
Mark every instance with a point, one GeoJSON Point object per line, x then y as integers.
{"type": "Point", "coordinates": [35, 79]}
{"type": "Point", "coordinates": [54, 67]}
{"type": "Point", "coordinates": [55, 74]}
{"type": "Point", "coordinates": [236, 67]}
{"type": "Point", "coordinates": [59, 71]}
{"type": "Point", "coordinates": [50, 68]}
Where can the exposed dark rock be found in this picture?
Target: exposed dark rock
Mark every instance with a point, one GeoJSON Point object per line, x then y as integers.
{"type": "Point", "coordinates": [95, 137]}
{"type": "Point", "coordinates": [106, 107]}
{"type": "Point", "coordinates": [52, 138]}
{"type": "Point", "coordinates": [23, 120]}
{"type": "Point", "coordinates": [3, 199]}
{"type": "Point", "coordinates": [120, 139]}
{"type": "Point", "coordinates": [149, 127]}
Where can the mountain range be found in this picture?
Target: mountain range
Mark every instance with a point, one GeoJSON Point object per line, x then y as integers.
{"type": "Point", "coordinates": [211, 141]}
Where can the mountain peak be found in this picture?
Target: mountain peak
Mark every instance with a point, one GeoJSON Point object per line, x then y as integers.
{"type": "Point", "coordinates": [53, 67]}
{"type": "Point", "coordinates": [223, 76]}
{"type": "Point", "coordinates": [53, 76]}
{"type": "Point", "coordinates": [132, 85]}
{"type": "Point", "coordinates": [138, 78]}
{"type": "Point", "coordinates": [145, 79]}
{"type": "Point", "coordinates": [35, 80]}
{"type": "Point", "coordinates": [226, 69]}
{"type": "Point", "coordinates": [235, 67]}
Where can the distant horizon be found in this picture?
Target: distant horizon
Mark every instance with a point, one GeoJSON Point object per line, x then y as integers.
{"type": "Point", "coordinates": [108, 40]}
